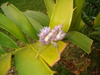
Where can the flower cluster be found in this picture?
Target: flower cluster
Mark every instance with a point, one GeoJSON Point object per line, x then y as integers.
{"type": "Point", "coordinates": [48, 35]}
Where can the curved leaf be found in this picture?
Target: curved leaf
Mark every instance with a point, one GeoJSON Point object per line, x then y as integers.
{"type": "Point", "coordinates": [75, 24]}
{"type": "Point", "coordinates": [37, 26]}
{"type": "Point", "coordinates": [27, 63]}
{"type": "Point", "coordinates": [80, 40]}
{"type": "Point", "coordinates": [8, 25]}
{"type": "Point", "coordinates": [1, 50]}
{"type": "Point", "coordinates": [5, 64]}
{"type": "Point", "coordinates": [50, 53]}
{"type": "Point", "coordinates": [6, 41]}
{"type": "Point", "coordinates": [50, 6]}
{"type": "Point", "coordinates": [38, 16]}
{"type": "Point", "coordinates": [62, 14]}
{"type": "Point", "coordinates": [19, 19]}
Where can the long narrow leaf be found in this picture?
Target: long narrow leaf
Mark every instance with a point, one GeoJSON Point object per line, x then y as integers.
{"type": "Point", "coordinates": [37, 26]}
{"type": "Point", "coordinates": [1, 50]}
{"type": "Point", "coordinates": [8, 25]}
{"type": "Point", "coordinates": [62, 14]}
{"type": "Point", "coordinates": [27, 63]}
{"type": "Point", "coordinates": [6, 41]}
{"type": "Point", "coordinates": [50, 6]}
{"type": "Point", "coordinates": [19, 19]}
{"type": "Point", "coordinates": [75, 24]}
{"type": "Point", "coordinates": [38, 16]}
{"type": "Point", "coordinates": [95, 33]}
{"type": "Point", "coordinates": [80, 40]}
{"type": "Point", "coordinates": [5, 64]}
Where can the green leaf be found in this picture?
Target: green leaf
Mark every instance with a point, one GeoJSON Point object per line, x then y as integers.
{"type": "Point", "coordinates": [5, 64]}
{"type": "Point", "coordinates": [50, 6]}
{"type": "Point", "coordinates": [1, 50]}
{"type": "Point", "coordinates": [6, 41]}
{"type": "Point", "coordinates": [75, 24]}
{"type": "Point", "coordinates": [50, 53]}
{"type": "Point", "coordinates": [37, 26]}
{"type": "Point", "coordinates": [38, 16]}
{"type": "Point", "coordinates": [80, 40]}
{"type": "Point", "coordinates": [62, 14]}
{"type": "Point", "coordinates": [97, 28]}
{"type": "Point", "coordinates": [81, 25]}
{"type": "Point", "coordinates": [19, 19]}
{"type": "Point", "coordinates": [27, 63]}
{"type": "Point", "coordinates": [95, 33]}
{"type": "Point", "coordinates": [8, 25]}
{"type": "Point", "coordinates": [97, 21]}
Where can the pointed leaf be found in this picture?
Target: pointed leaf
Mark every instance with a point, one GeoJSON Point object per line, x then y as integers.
{"type": "Point", "coordinates": [80, 40]}
{"type": "Point", "coordinates": [5, 64]}
{"type": "Point", "coordinates": [81, 25]}
{"type": "Point", "coordinates": [19, 19]}
{"type": "Point", "coordinates": [27, 63]}
{"type": "Point", "coordinates": [49, 52]}
{"type": "Point", "coordinates": [95, 33]}
{"type": "Point", "coordinates": [8, 25]}
{"type": "Point", "coordinates": [6, 41]}
{"type": "Point", "coordinates": [97, 28]}
{"type": "Point", "coordinates": [37, 26]}
{"type": "Point", "coordinates": [97, 21]}
{"type": "Point", "coordinates": [38, 16]}
{"type": "Point", "coordinates": [1, 50]}
{"type": "Point", "coordinates": [50, 6]}
{"type": "Point", "coordinates": [62, 14]}
{"type": "Point", "coordinates": [75, 24]}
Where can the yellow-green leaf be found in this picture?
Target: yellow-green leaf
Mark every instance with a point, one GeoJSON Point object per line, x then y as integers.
{"type": "Point", "coordinates": [97, 21]}
{"type": "Point", "coordinates": [37, 26]}
{"type": "Point", "coordinates": [80, 40]}
{"type": "Point", "coordinates": [7, 41]}
{"type": "Point", "coordinates": [19, 19]}
{"type": "Point", "coordinates": [1, 50]}
{"type": "Point", "coordinates": [27, 63]}
{"type": "Point", "coordinates": [62, 14]}
{"type": "Point", "coordinates": [42, 18]}
{"type": "Point", "coordinates": [50, 6]}
{"type": "Point", "coordinates": [5, 64]}
{"type": "Point", "coordinates": [50, 53]}
{"type": "Point", "coordinates": [75, 24]}
{"type": "Point", "coordinates": [8, 25]}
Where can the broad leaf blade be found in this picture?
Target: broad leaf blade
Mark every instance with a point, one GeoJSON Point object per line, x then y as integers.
{"type": "Point", "coordinates": [50, 6]}
{"type": "Point", "coordinates": [62, 14]}
{"type": "Point", "coordinates": [38, 16]}
{"type": "Point", "coordinates": [49, 52]}
{"type": "Point", "coordinates": [97, 21]}
{"type": "Point", "coordinates": [19, 19]}
{"type": "Point", "coordinates": [5, 64]}
{"type": "Point", "coordinates": [37, 26]}
{"type": "Point", "coordinates": [8, 25]}
{"type": "Point", "coordinates": [27, 63]}
{"type": "Point", "coordinates": [6, 41]}
{"type": "Point", "coordinates": [80, 40]}
{"type": "Point", "coordinates": [1, 50]}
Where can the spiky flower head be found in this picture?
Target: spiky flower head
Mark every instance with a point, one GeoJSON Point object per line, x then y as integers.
{"type": "Point", "coordinates": [48, 35]}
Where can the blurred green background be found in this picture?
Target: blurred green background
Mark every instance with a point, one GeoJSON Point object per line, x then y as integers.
{"type": "Point", "coordinates": [24, 5]}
